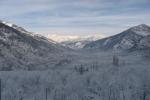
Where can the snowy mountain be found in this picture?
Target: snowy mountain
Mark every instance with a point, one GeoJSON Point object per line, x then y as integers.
{"type": "Point", "coordinates": [75, 44]}
{"type": "Point", "coordinates": [20, 49]}
{"type": "Point", "coordinates": [126, 40]}
{"type": "Point", "coordinates": [81, 41]}
{"type": "Point", "coordinates": [72, 37]}
{"type": "Point", "coordinates": [81, 75]}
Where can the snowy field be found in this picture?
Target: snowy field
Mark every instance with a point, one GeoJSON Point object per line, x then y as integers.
{"type": "Point", "coordinates": [82, 76]}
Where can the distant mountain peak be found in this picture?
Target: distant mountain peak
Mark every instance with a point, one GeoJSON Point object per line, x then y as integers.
{"type": "Point", "coordinates": [141, 26]}
{"type": "Point", "coordinates": [141, 29]}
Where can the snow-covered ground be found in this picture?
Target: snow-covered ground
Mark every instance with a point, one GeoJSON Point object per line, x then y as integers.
{"type": "Point", "coordinates": [82, 76]}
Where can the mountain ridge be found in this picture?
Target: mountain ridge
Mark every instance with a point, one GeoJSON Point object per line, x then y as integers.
{"type": "Point", "coordinates": [19, 49]}
{"type": "Point", "coordinates": [80, 42]}
{"type": "Point", "coordinates": [126, 40]}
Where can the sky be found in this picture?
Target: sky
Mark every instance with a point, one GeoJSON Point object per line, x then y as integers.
{"type": "Point", "coordinates": [76, 17]}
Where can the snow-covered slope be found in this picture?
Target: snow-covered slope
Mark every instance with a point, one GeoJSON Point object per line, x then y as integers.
{"type": "Point", "coordinates": [81, 41]}
{"type": "Point", "coordinates": [75, 44]}
{"type": "Point", "coordinates": [145, 42]}
{"type": "Point", "coordinates": [126, 40]}
{"type": "Point", "coordinates": [20, 49]}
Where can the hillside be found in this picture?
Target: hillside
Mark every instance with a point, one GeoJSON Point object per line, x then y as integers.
{"type": "Point", "coordinates": [20, 49]}
{"type": "Point", "coordinates": [126, 40]}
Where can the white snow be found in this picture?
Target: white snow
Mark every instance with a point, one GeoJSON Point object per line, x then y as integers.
{"type": "Point", "coordinates": [143, 33]}
{"type": "Point", "coordinates": [127, 43]}
{"type": "Point", "coordinates": [105, 43]}
{"type": "Point", "coordinates": [124, 45]}
{"type": "Point", "coordinates": [63, 38]}
{"type": "Point", "coordinates": [7, 23]}
{"type": "Point", "coordinates": [79, 45]}
{"type": "Point", "coordinates": [141, 30]}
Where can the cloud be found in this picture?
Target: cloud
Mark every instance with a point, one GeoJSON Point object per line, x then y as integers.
{"type": "Point", "coordinates": [76, 16]}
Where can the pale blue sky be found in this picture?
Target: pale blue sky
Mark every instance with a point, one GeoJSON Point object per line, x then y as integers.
{"type": "Point", "coordinates": [76, 16]}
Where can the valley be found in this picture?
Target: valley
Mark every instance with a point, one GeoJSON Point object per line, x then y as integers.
{"type": "Point", "coordinates": [36, 68]}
